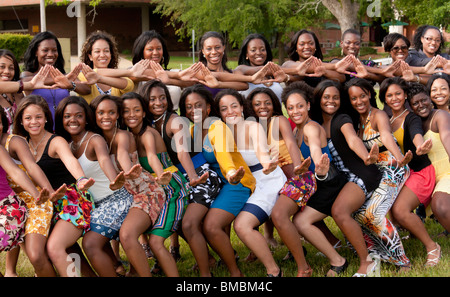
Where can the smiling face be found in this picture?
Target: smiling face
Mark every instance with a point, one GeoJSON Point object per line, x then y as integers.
{"type": "Point", "coordinates": [106, 115]}
{"type": "Point", "coordinates": [431, 41]}
{"type": "Point", "coordinates": [47, 52]}
{"type": "Point", "coordinates": [297, 108]}
{"type": "Point", "coordinates": [100, 54]}
{"type": "Point", "coordinates": [440, 93]}
{"type": "Point", "coordinates": [6, 69]}
{"type": "Point", "coordinates": [213, 50]}
{"type": "Point", "coordinates": [197, 110]}
{"type": "Point", "coordinates": [33, 119]}
{"type": "Point", "coordinates": [157, 104]}
{"type": "Point", "coordinates": [306, 47]}
{"type": "Point", "coordinates": [330, 100]}
{"type": "Point", "coordinates": [421, 105]}
{"type": "Point", "coordinates": [256, 52]}
{"type": "Point", "coordinates": [153, 50]}
{"type": "Point", "coordinates": [395, 98]}
{"type": "Point", "coordinates": [74, 119]}
{"type": "Point", "coordinates": [359, 99]}
{"type": "Point", "coordinates": [399, 51]}
{"type": "Point", "coordinates": [230, 109]}
{"type": "Point", "coordinates": [351, 44]}
{"type": "Point", "coordinates": [133, 113]}
{"type": "Point", "coordinates": [262, 105]}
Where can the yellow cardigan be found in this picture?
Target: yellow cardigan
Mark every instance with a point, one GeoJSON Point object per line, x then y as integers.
{"type": "Point", "coordinates": [114, 91]}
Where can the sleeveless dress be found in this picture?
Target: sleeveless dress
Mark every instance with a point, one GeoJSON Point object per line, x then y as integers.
{"type": "Point", "coordinates": [13, 215]}
{"type": "Point", "coordinates": [266, 192]}
{"type": "Point", "coordinates": [380, 234]}
{"type": "Point", "coordinates": [169, 220]}
{"type": "Point", "coordinates": [440, 160]}
{"type": "Point", "coordinates": [147, 194]}
{"type": "Point", "coordinates": [39, 215]}
{"type": "Point", "coordinates": [111, 207]}
{"type": "Point", "coordinates": [75, 206]}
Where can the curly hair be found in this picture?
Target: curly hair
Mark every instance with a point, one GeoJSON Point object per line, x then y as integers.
{"type": "Point", "coordinates": [87, 48]}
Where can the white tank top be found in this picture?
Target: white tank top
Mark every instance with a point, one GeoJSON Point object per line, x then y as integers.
{"type": "Point", "coordinates": [92, 169]}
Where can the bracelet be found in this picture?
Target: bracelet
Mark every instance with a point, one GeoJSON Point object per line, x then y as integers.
{"type": "Point", "coordinates": [322, 178]}
{"type": "Point", "coordinates": [288, 78]}
{"type": "Point", "coordinates": [20, 87]}
{"type": "Point", "coordinates": [418, 78]}
{"type": "Point", "coordinates": [80, 179]}
{"type": "Point", "coordinates": [74, 86]}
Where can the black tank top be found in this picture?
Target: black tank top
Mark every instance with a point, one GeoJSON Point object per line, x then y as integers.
{"type": "Point", "coordinates": [54, 168]}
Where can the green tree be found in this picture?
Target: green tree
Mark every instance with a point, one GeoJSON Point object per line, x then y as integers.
{"type": "Point", "coordinates": [435, 12]}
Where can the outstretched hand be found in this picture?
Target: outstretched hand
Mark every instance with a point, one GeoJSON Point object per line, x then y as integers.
{"type": "Point", "coordinates": [424, 148]}
{"type": "Point", "coordinates": [118, 182]}
{"type": "Point", "coordinates": [44, 195]}
{"type": "Point", "coordinates": [199, 180]}
{"type": "Point", "coordinates": [85, 183]}
{"type": "Point", "coordinates": [59, 193]}
{"type": "Point", "coordinates": [373, 155]}
{"type": "Point", "coordinates": [323, 165]}
{"type": "Point", "coordinates": [406, 159]}
{"type": "Point", "coordinates": [164, 178]}
{"type": "Point", "coordinates": [304, 167]}
{"type": "Point", "coordinates": [134, 172]}
{"type": "Point", "coordinates": [235, 177]}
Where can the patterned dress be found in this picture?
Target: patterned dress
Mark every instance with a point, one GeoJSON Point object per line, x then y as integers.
{"type": "Point", "coordinates": [380, 234]}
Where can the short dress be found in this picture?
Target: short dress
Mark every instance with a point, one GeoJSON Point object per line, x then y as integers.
{"type": "Point", "coordinates": [147, 194]}
{"type": "Point", "coordinates": [39, 215]}
{"type": "Point", "coordinates": [380, 234]}
{"type": "Point", "coordinates": [75, 206]}
{"type": "Point", "coordinates": [439, 158]}
{"type": "Point", "coordinates": [231, 198]}
{"type": "Point", "coordinates": [111, 207]}
{"type": "Point", "coordinates": [177, 191]}
{"type": "Point", "coordinates": [267, 189]}
{"type": "Point", "coordinates": [13, 215]}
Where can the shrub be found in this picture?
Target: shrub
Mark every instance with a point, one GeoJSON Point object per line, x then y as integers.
{"type": "Point", "coordinates": [17, 43]}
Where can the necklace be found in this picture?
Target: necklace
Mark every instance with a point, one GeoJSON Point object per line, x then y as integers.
{"type": "Point", "coordinates": [112, 139]}
{"type": "Point", "coordinates": [367, 119]}
{"type": "Point", "coordinates": [8, 100]}
{"type": "Point", "coordinates": [162, 116]}
{"type": "Point", "coordinates": [394, 118]}
{"type": "Point", "coordinates": [35, 148]}
{"type": "Point", "coordinates": [78, 144]}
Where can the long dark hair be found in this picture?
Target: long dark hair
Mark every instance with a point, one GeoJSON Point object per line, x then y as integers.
{"type": "Point", "coordinates": [316, 110]}
{"type": "Point", "coordinates": [213, 34]}
{"type": "Point", "coordinates": [141, 42]}
{"type": "Point", "coordinates": [203, 92]}
{"type": "Point", "coordinates": [391, 81]}
{"type": "Point", "coordinates": [248, 108]}
{"type": "Point", "coordinates": [59, 116]}
{"type": "Point", "coordinates": [146, 89]}
{"type": "Point", "coordinates": [148, 118]}
{"type": "Point", "coordinates": [293, 55]}
{"type": "Point", "coordinates": [367, 87]}
{"type": "Point", "coordinates": [31, 63]}
{"type": "Point", "coordinates": [243, 53]}
{"type": "Point", "coordinates": [420, 32]}
{"type": "Point", "coordinates": [99, 99]}
{"type": "Point", "coordinates": [27, 101]}
{"type": "Point", "coordinates": [9, 55]}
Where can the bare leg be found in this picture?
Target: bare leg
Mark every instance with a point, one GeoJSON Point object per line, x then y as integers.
{"type": "Point", "coordinates": [93, 246]}
{"type": "Point", "coordinates": [165, 259]}
{"type": "Point", "coordinates": [244, 226]}
{"type": "Point", "coordinates": [349, 200]}
{"type": "Point", "coordinates": [12, 257]}
{"type": "Point", "coordinates": [281, 216]}
{"type": "Point", "coordinates": [136, 222]}
{"type": "Point", "coordinates": [193, 231]}
{"type": "Point", "coordinates": [63, 236]}
{"type": "Point", "coordinates": [37, 254]}
{"type": "Point", "coordinates": [440, 204]}
{"type": "Point", "coordinates": [216, 229]}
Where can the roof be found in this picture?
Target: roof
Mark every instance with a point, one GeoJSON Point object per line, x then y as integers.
{"type": "Point", "coordinates": [5, 3]}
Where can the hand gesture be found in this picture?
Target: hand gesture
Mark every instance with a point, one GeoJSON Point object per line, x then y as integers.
{"type": "Point", "coordinates": [424, 148]}
{"type": "Point", "coordinates": [44, 195]}
{"type": "Point", "coordinates": [391, 69]}
{"type": "Point", "coordinates": [361, 71]}
{"type": "Point", "coordinates": [164, 178]}
{"type": "Point", "coordinates": [304, 167]}
{"type": "Point", "coordinates": [372, 158]}
{"type": "Point", "coordinates": [323, 165]}
{"type": "Point", "coordinates": [406, 159]}
{"type": "Point", "coordinates": [118, 182]}
{"type": "Point", "coordinates": [134, 172]}
{"type": "Point", "coordinates": [189, 74]}
{"type": "Point", "coordinates": [91, 76]}
{"type": "Point", "coordinates": [160, 73]}
{"type": "Point", "coordinates": [208, 78]}
{"type": "Point", "coordinates": [59, 193]}
{"type": "Point", "coordinates": [407, 73]}
{"type": "Point", "coordinates": [75, 71]}
{"type": "Point", "coordinates": [85, 183]}
{"type": "Point", "coordinates": [38, 81]}
{"type": "Point", "coordinates": [139, 70]}
{"type": "Point", "coordinates": [235, 177]}
{"type": "Point", "coordinates": [60, 79]}
{"type": "Point", "coordinates": [199, 180]}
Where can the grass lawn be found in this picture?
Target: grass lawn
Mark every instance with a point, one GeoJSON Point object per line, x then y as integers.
{"type": "Point", "coordinates": [414, 250]}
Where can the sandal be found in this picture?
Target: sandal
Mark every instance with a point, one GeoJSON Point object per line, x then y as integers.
{"type": "Point", "coordinates": [305, 273]}
{"type": "Point", "coordinates": [373, 269]}
{"type": "Point", "coordinates": [436, 254]}
{"type": "Point", "coordinates": [338, 269]}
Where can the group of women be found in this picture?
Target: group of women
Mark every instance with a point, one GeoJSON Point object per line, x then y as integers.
{"type": "Point", "coordinates": [144, 154]}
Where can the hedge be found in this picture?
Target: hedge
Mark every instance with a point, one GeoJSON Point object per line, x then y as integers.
{"type": "Point", "coordinates": [17, 43]}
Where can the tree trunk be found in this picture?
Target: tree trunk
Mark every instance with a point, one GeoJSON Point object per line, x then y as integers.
{"type": "Point", "coordinates": [345, 11]}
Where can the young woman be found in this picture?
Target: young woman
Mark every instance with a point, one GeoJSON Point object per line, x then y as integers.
{"type": "Point", "coordinates": [13, 210]}
{"type": "Point", "coordinates": [310, 137]}
{"type": "Point", "coordinates": [373, 127]}
{"type": "Point", "coordinates": [439, 90]}
{"type": "Point", "coordinates": [9, 71]}
{"type": "Point", "coordinates": [196, 103]}
{"type": "Point", "coordinates": [52, 153]}
{"type": "Point", "coordinates": [173, 131]}
{"type": "Point", "coordinates": [153, 157]}
{"type": "Point", "coordinates": [100, 52]}
{"type": "Point", "coordinates": [45, 49]}
{"type": "Point", "coordinates": [419, 186]}
{"type": "Point", "coordinates": [148, 196]}
{"type": "Point", "coordinates": [428, 42]}
{"type": "Point", "coordinates": [436, 125]}
{"type": "Point", "coordinates": [251, 143]}
{"type": "Point", "coordinates": [75, 122]}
